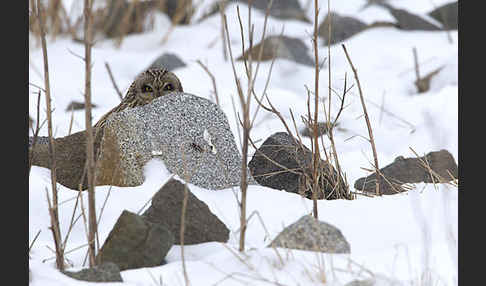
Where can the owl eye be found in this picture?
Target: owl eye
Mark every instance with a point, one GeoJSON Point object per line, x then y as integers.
{"type": "Point", "coordinates": [147, 88]}
{"type": "Point", "coordinates": [168, 87]}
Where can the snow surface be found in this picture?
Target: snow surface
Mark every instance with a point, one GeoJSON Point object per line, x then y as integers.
{"type": "Point", "coordinates": [395, 238]}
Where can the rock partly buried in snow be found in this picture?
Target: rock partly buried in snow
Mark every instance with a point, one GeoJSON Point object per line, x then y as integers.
{"type": "Point", "coordinates": [135, 242]}
{"type": "Point", "coordinates": [121, 17]}
{"type": "Point", "coordinates": [447, 15]}
{"type": "Point", "coordinates": [411, 170]}
{"type": "Point", "coordinates": [106, 272]}
{"type": "Point", "coordinates": [280, 163]}
{"type": "Point", "coordinates": [310, 234]}
{"type": "Point", "coordinates": [280, 47]}
{"type": "Point", "coordinates": [76, 105]}
{"type": "Point", "coordinates": [342, 28]}
{"type": "Point", "coordinates": [409, 21]}
{"type": "Point", "coordinates": [288, 9]}
{"type": "Point", "coordinates": [190, 134]}
{"type": "Point", "coordinates": [70, 157]}
{"type": "Point", "coordinates": [201, 225]}
{"type": "Point", "coordinates": [167, 61]}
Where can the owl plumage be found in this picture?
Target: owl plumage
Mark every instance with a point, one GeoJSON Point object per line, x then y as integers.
{"type": "Point", "coordinates": [146, 87]}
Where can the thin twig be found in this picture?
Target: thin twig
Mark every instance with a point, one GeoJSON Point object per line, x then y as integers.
{"type": "Point", "coordinates": [53, 211]}
{"type": "Point", "coordinates": [89, 133]}
{"type": "Point", "coordinates": [213, 80]}
{"type": "Point", "coordinates": [368, 124]}
{"type": "Point", "coordinates": [120, 95]}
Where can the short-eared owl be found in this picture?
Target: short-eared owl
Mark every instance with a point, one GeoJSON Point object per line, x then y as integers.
{"type": "Point", "coordinates": [147, 86]}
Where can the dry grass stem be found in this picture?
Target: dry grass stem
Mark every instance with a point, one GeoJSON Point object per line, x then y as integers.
{"type": "Point", "coordinates": [213, 80]}
{"type": "Point", "coordinates": [53, 211]}
{"type": "Point", "coordinates": [368, 124]}
{"type": "Point", "coordinates": [115, 86]}
{"type": "Point", "coordinates": [88, 35]}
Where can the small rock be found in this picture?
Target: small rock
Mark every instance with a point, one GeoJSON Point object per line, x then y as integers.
{"type": "Point", "coordinates": [279, 150]}
{"type": "Point", "coordinates": [447, 15]}
{"type": "Point", "coordinates": [115, 21]}
{"type": "Point", "coordinates": [411, 170]}
{"type": "Point", "coordinates": [190, 134]}
{"type": "Point", "coordinates": [288, 9]}
{"type": "Point", "coordinates": [280, 47]}
{"type": "Point", "coordinates": [106, 272]}
{"type": "Point", "coordinates": [310, 234]}
{"type": "Point", "coordinates": [201, 225]}
{"type": "Point", "coordinates": [168, 61]}
{"type": "Point", "coordinates": [342, 28]}
{"type": "Point", "coordinates": [409, 21]}
{"type": "Point", "coordinates": [367, 282]}
{"type": "Point", "coordinates": [135, 242]}
{"type": "Point", "coordinates": [183, 15]}
{"type": "Point", "coordinates": [76, 105]}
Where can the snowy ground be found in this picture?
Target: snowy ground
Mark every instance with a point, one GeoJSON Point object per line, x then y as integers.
{"type": "Point", "coordinates": [399, 237]}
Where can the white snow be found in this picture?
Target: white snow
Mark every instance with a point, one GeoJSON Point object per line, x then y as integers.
{"type": "Point", "coordinates": [396, 238]}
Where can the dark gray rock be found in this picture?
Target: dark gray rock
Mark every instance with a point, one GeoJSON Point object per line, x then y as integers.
{"type": "Point", "coordinates": [171, 9]}
{"type": "Point", "coordinates": [122, 17]}
{"type": "Point", "coordinates": [106, 272]}
{"type": "Point", "coordinates": [447, 15]}
{"type": "Point", "coordinates": [190, 134]}
{"type": "Point", "coordinates": [167, 61]}
{"type": "Point", "coordinates": [76, 105]}
{"type": "Point", "coordinates": [310, 234]}
{"type": "Point", "coordinates": [283, 164]}
{"type": "Point", "coordinates": [409, 21]}
{"type": "Point", "coordinates": [135, 242]}
{"type": "Point", "coordinates": [342, 28]}
{"type": "Point", "coordinates": [283, 9]}
{"type": "Point", "coordinates": [280, 47]}
{"type": "Point", "coordinates": [411, 170]}
{"type": "Point", "coordinates": [201, 225]}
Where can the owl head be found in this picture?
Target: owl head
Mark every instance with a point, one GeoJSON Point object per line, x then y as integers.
{"type": "Point", "coordinates": [154, 83]}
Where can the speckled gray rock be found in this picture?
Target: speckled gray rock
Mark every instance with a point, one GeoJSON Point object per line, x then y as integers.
{"type": "Point", "coordinates": [342, 28]}
{"type": "Point", "coordinates": [106, 272]}
{"type": "Point", "coordinates": [310, 234]}
{"type": "Point", "coordinates": [288, 9]}
{"type": "Point", "coordinates": [190, 134]}
{"type": "Point", "coordinates": [201, 225]}
{"type": "Point", "coordinates": [135, 242]}
{"type": "Point", "coordinates": [281, 47]}
{"type": "Point", "coordinates": [43, 140]}
{"type": "Point", "coordinates": [167, 61]}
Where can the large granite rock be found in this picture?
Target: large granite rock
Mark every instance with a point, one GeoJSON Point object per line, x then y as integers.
{"type": "Point", "coordinates": [280, 163]}
{"type": "Point", "coordinates": [342, 28]}
{"type": "Point", "coordinates": [201, 225]}
{"type": "Point", "coordinates": [288, 9]}
{"type": "Point", "coordinates": [106, 272]}
{"type": "Point", "coordinates": [190, 134]}
{"type": "Point", "coordinates": [280, 47]}
{"type": "Point", "coordinates": [134, 242]}
{"type": "Point", "coordinates": [411, 170]}
{"type": "Point", "coordinates": [310, 234]}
